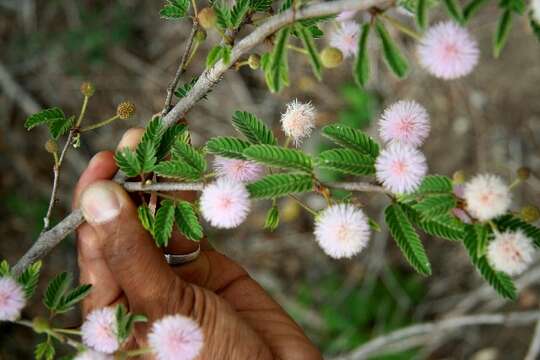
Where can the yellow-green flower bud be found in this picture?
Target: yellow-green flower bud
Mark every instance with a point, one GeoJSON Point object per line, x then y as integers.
{"type": "Point", "coordinates": [87, 89]}
{"type": "Point", "coordinates": [207, 18]}
{"type": "Point", "coordinates": [331, 57]}
{"type": "Point", "coordinates": [523, 173]}
{"type": "Point", "coordinates": [40, 325]}
{"type": "Point", "coordinates": [530, 213]}
{"type": "Point", "coordinates": [125, 110]}
{"type": "Point", "coordinates": [51, 146]}
{"type": "Point", "coordinates": [200, 35]}
{"type": "Point", "coordinates": [254, 61]}
{"type": "Point", "coordinates": [459, 177]}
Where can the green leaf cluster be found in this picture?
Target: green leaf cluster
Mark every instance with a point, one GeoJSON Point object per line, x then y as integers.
{"type": "Point", "coordinates": [125, 322]}
{"type": "Point", "coordinates": [55, 120]}
{"type": "Point", "coordinates": [276, 185]}
{"type": "Point", "coordinates": [59, 298]}
{"type": "Point", "coordinates": [175, 9]}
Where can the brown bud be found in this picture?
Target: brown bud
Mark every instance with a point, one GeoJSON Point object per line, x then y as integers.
{"type": "Point", "coordinates": [530, 213]}
{"type": "Point", "coordinates": [51, 146]}
{"type": "Point", "coordinates": [87, 89]}
{"type": "Point", "coordinates": [523, 173]}
{"type": "Point", "coordinates": [254, 61]}
{"type": "Point", "coordinates": [331, 57]}
{"type": "Point", "coordinates": [125, 110]}
{"type": "Point", "coordinates": [207, 18]}
{"type": "Point", "coordinates": [459, 177]}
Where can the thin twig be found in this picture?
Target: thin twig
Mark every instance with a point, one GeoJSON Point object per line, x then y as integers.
{"type": "Point", "coordinates": [359, 186]}
{"type": "Point", "coordinates": [138, 186]}
{"type": "Point", "coordinates": [380, 343]}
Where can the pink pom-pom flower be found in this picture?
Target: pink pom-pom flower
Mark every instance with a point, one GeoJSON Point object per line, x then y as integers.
{"type": "Point", "coordinates": [345, 38]}
{"type": "Point", "coordinates": [401, 168]}
{"type": "Point", "coordinates": [404, 122]}
{"type": "Point", "coordinates": [90, 354]}
{"type": "Point", "coordinates": [225, 203]}
{"type": "Point", "coordinates": [342, 230]}
{"type": "Point", "coordinates": [237, 169]}
{"type": "Point", "coordinates": [346, 15]}
{"type": "Point", "coordinates": [510, 252]}
{"type": "Point", "coordinates": [448, 51]}
{"type": "Point", "coordinates": [176, 337]}
{"type": "Point", "coordinates": [298, 120]}
{"type": "Point", "coordinates": [12, 299]}
{"type": "Point", "coordinates": [99, 330]}
{"type": "Point", "coordinates": [487, 196]}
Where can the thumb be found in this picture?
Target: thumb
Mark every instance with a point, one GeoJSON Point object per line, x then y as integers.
{"type": "Point", "coordinates": [137, 264]}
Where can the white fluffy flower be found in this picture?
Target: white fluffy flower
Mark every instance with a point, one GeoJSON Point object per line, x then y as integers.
{"type": "Point", "coordinates": [401, 168]}
{"type": "Point", "coordinates": [345, 38]}
{"type": "Point", "coordinates": [176, 337]}
{"type": "Point", "coordinates": [12, 299]}
{"type": "Point", "coordinates": [92, 355]}
{"type": "Point", "coordinates": [342, 230]}
{"type": "Point", "coordinates": [225, 203]}
{"type": "Point", "coordinates": [237, 169]}
{"type": "Point", "coordinates": [99, 330]}
{"type": "Point", "coordinates": [510, 252]}
{"type": "Point", "coordinates": [298, 120]}
{"type": "Point", "coordinates": [487, 196]}
{"type": "Point", "coordinates": [405, 122]}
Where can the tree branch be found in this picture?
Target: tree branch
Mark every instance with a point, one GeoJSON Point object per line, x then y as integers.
{"type": "Point", "coordinates": [381, 342]}
{"type": "Point", "coordinates": [137, 186]}
{"type": "Point", "coordinates": [48, 240]}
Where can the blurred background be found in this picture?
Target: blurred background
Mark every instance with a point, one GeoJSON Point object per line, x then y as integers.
{"type": "Point", "coordinates": [489, 121]}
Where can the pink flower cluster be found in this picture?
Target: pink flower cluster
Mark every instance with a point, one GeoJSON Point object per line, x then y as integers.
{"type": "Point", "coordinates": [12, 299]}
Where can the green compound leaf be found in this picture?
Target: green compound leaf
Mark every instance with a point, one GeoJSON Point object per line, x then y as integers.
{"type": "Point", "coordinates": [44, 351]}
{"type": "Point", "coordinates": [276, 185]}
{"type": "Point", "coordinates": [177, 169]}
{"type": "Point", "coordinates": [392, 54]}
{"type": "Point", "coordinates": [238, 12]}
{"type": "Point", "coordinates": [512, 223]}
{"type": "Point", "coordinates": [280, 157]}
{"type": "Point", "coordinates": [148, 147]}
{"type": "Point", "coordinates": [435, 205]}
{"type": "Point", "coordinates": [361, 65]}
{"type": "Point", "coordinates": [56, 290]}
{"type": "Point", "coordinates": [276, 68]}
{"type": "Point", "coordinates": [73, 297]}
{"type": "Point", "coordinates": [164, 222]}
{"type": "Point", "coordinates": [253, 128]}
{"type": "Point", "coordinates": [501, 34]}
{"type": "Point", "coordinates": [174, 9]}
{"type": "Point", "coordinates": [444, 226]}
{"type": "Point", "coordinates": [501, 282]}
{"type": "Point", "coordinates": [472, 8]}
{"type": "Point", "coordinates": [187, 221]}
{"type": "Point", "coordinates": [352, 138]}
{"type": "Point", "coordinates": [29, 279]}
{"type": "Point", "coordinates": [261, 5]}
{"type": "Point", "coordinates": [309, 44]}
{"type": "Point", "coordinates": [227, 146]}
{"type": "Point", "coordinates": [59, 127]}
{"type": "Point", "coordinates": [422, 14]}
{"type": "Point", "coordinates": [44, 117]}
{"type": "Point", "coordinates": [407, 239]}
{"type": "Point", "coordinates": [127, 161]}
{"type": "Point", "coordinates": [170, 135]}
{"type": "Point", "coordinates": [125, 322]}
{"type": "Point", "coordinates": [189, 155]}
{"type": "Point", "coordinates": [346, 161]}
{"type": "Point", "coordinates": [454, 10]}
{"type": "Point", "coordinates": [223, 15]}
{"type": "Point", "coordinates": [433, 184]}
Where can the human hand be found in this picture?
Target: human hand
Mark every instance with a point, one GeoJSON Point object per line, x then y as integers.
{"type": "Point", "coordinates": [119, 258]}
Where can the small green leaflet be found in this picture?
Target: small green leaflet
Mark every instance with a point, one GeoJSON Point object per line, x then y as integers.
{"type": "Point", "coordinates": [4, 268]}
{"type": "Point", "coordinates": [188, 154]}
{"type": "Point", "coordinates": [261, 5]}
{"type": "Point", "coordinates": [44, 351]}
{"type": "Point", "coordinates": [147, 149]}
{"type": "Point", "coordinates": [501, 34]}
{"type": "Point", "coordinates": [433, 184]}
{"type": "Point", "coordinates": [276, 185]}
{"type": "Point", "coordinates": [272, 218]}
{"type": "Point", "coordinates": [253, 128]}
{"type": "Point", "coordinates": [170, 135]}
{"type": "Point", "coordinates": [238, 12]}
{"type": "Point", "coordinates": [276, 68]}
{"type": "Point", "coordinates": [146, 218]}
{"type": "Point", "coordinates": [435, 205]}
{"type": "Point", "coordinates": [125, 322]}
{"type": "Point", "coordinates": [187, 221]}
{"type": "Point", "coordinates": [57, 297]}
{"type": "Point", "coordinates": [407, 239]}
{"type": "Point", "coordinates": [217, 53]}
{"type": "Point", "coordinates": [454, 10]}
{"type": "Point", "coordinates": [227, 146]}
{"type": "Point", "coordinates": [422, 14]}
{"type": "Point", "coordinates": [309, 44]}
{"type": "Point", "coordinates": [163, 224]}
{"type": "Point", "coordinates": [352, 138]}
{"type": "Point", "coordinates": [55, 120]}
{"type": "Point", "coordinates": [392, 54]}
{"type": "Point", "coordinates": [361, 65]}
{"type": "Point", "coordinates": [516, 6]}
{"type": "Point", "coordinates": [223, 14]}
{"type": "Point", "coordinates": [273, 155]}
{"type": "Point", "coordinates": [346, 161]}
{"type": "Point", "coordinates": [472, 7]}
{"type": "Point", "coordinates": [174, 9]}
{"type": "Point", "coordinates": [127, 162]}
{"type": "Point", "coordinates": [178, 169]}
{"type": "Point", "coordinates": [29, 278]}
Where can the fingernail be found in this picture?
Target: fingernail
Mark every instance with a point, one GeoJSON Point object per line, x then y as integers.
{"type": "Point", "coordinates": [99, 204]}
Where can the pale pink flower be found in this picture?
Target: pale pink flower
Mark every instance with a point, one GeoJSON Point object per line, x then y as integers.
{"type": "Point", "coordinates": [345, 38]}
{"type": "Point", "coordinates": [510, 252]}
{"type": "Point", "coordinates": [176, 337]}
{"type": "Point", "coordinates": [99, 330]}
{"type": "Point", "coordinates": [459, 190]}
{"type": "Point", "coordinates": [448, 51]}
{"type": "Point", "coordinates": [90, 354]}
{"type": "Point", "coordinates": [401, 168]}
{"type": "Point", "coordinates": [342, 230]}
{"type": "Point", "coordinates": [346, 15]}
{"type": "Point", "coordinates": [225, 203]}
{"type": "Point", "coordinates": [487, 196]}
{"type": "Point", "coordinates": [298, 120]}
{"type": "Point", "coordinates": [12, 299]}
{"type": "Point", "coordinates": [238, 170]}
{"type": "Point", "coordinates": [404, 122]}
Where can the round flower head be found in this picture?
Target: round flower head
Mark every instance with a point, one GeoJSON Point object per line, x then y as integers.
{"type": "Point", "coordinates": [298, 120]}
{"type": "Point", "coordinates": [342, 230]}
{"type": "Point", "coordinates": [12, 299]}
{"type": "Point", "coordinates": [99, 330]}
{"type": "Point", "coordinates": [90, 354]}
{"type": "Point", "coordinates": [238, 170]}
{"type": "Point", "coordinates": [487, 196]}
{"type": "Point", "coordinates": [401, 168]}
{"type": "Point", "coordinates": [225, 203]}
{"type": "Point", "coordinates": [404, 122]}
{"type": "Point", "coordinates": [448, 51]}
{"type": "Point", "coordinates": [510, 252]}
{"type": "Point", "coordinates": [176, 337]}
{"type": "Point", "coordinates": [345, 38]}
{"type": "Point", "coordinates": [346, 15]}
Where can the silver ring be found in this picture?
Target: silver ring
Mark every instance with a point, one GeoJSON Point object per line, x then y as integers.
{"type": "Point", "coordinates": [175, 260]}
